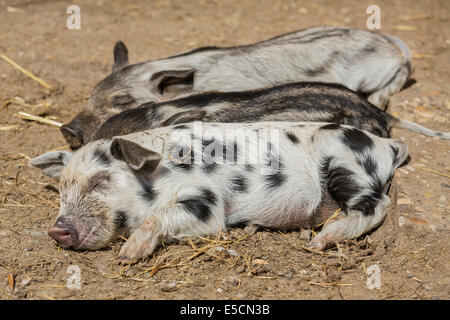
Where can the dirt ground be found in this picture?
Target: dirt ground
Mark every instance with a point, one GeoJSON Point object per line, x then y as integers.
{"type": "Point", "coordinates": [411, 248]}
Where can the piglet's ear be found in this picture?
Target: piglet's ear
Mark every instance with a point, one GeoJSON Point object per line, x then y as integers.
{"type": "Point", "coordinates": [120, 56]}
{"type": "Point", "coordinates": [169, 84]}
{"type": "Point", "coordinates": [52, 163]}
{"type": "Point", "coordinates": [136, 156]}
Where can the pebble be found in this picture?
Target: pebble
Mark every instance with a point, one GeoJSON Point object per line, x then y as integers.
{"type": "Point", "coordinates": [401, 221]}
{"type": "Point", "coordinates": [241, 296]}
{"type": "Point", "coordinates": [36, 232]}
{"type": "Point", "coordinates": [428, 286]}
{"type": "Point", "coordinates": [25, 282]}
{"type": "Point", "coordinates": [251, 229]}
{"type": "Point", "coordinates": [168, 287]}
{"type": "Point", "coordinates": [403, 203]}
{"type": "Point", "coordinates": [232, 281]}
{"type": "Point", "coordinates": [241, 269]}
{"type": "Point", "coordinates": [305, 234]}
{"type": "Point", "coordinates": [409, 274]}
{"type": "Point", "coordinates": [303, 272]}
{"type": "Point", "coordinates": [443, 198]}
{"type": "Point", "coordinates": [219, 290]}
{"type": "Point", "coordinates": [259, 261]}
{"type": "Point", "coordinates": [289, 275]}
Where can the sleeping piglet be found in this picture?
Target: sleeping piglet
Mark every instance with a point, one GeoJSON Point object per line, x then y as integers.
{"type": "Point", "coordinates": [199, 178]}
{"type": "Point", "coordinates": [372, 64]}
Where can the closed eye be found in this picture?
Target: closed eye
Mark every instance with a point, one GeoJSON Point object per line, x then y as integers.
{"type": "Point", "coordinates": [122, 101]}
{"type": "Point", "coordinates": [99, 181]}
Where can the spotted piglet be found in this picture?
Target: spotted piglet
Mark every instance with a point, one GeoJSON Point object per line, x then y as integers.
{"type": "Point", "coordinates": [199, 178]}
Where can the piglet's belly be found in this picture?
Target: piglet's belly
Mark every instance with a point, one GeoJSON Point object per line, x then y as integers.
{"type": "Point", "coordinates": [290, 218]}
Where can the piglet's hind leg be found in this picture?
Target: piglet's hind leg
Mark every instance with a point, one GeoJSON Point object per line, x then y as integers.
{"type": "Point", "coordinates": [350, 225]}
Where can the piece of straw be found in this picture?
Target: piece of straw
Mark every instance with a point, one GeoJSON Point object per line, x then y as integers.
{"type": "Point", "coordinates": [405, 28]}
{"type": "Point", "coordinates": [23, 104]}
{"type": "Point", "coordinates": [28, 116]}
{"type": "Point", "coordinates": [421, 55]}
{"type": "Point", "coordinates": [415, 17]}
{"type": "Point", "coordinates": [435, 172]}
{"type": "Point", "coordinates": [10, 127]}
{"type": "Point", "coordinates": [25, 72]}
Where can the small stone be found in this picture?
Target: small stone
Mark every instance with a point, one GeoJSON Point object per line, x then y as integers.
{"type": "Point", "coordinates": [404, 203]}
{"type": "Point", "coordinates": [241, 269]}
{"type": "Point", "coordinates": [232, 281]}
{"type": "Point", "coordinates": [219, 290]}
{"type": "Point", "coordinates": [233, 253]}
{"type": "Point", "coordinates": [443, 198]}
{"type": "Point", "coordinates": [259, 261]}
{"type": "Point", "coordinates": [409, 274]}
{"type": "Point", "coordinates": [35, 232]}
{"type": "Point", "coordinates": [305, 235]}
{"type": "Point", "coordinates": [168, 287]}
{"type": "Point", "coordinates": [289, 275]}
{"type": "Point", "coordinates": [428, 286]}
{"type": "Point", "coordinates": [25, 282]}
{"type": "Point", "coordinates": [198, 283]}
{"type": "Point", "coordinates": [401, 221]}
{"type": "Point", "coordinates": [241, 296]}
{"type": "Point", "coordinates": [207, 258]}
{"type": "Point", "coordinates": [251, 229]}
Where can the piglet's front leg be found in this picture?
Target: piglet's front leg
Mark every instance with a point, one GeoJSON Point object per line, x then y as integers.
{"type": "Point", "coordinates": [142, 242]}
{"type": "Point", "coordinates": [174, 221]}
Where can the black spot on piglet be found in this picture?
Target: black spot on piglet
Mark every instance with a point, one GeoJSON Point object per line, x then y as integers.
{"type": "Point", "coordinates": [101, 157]}
{"type": "Point", "coordinates": [356, 140]}
{"type": "Point", "coordinates": [200, 205]}
{"type": "Point", "coordinates": [239, 183]}
{"type": "Point", "coordinates": [120, 219]}
{"type": "Point", "coordinates": [292, 137]}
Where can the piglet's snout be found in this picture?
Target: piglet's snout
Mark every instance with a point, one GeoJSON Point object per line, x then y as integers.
{"type": "Point", "coordinates": [64, 233]}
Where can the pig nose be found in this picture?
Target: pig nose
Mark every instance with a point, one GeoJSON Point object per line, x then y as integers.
{"type": "Point", "coordinates": [64, 234]}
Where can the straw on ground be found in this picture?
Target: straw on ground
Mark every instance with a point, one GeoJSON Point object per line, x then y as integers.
{"type": "Point", "coordinates": [32, 117]}
{"type": "Point", "coordinates": [25, 72]}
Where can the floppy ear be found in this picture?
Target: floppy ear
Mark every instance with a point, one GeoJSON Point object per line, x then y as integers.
{"type": "Point", "coordinates": [120, 56]}
{"type": "Point", "coordinates": [185, 116]}
{"type": "Point", "coordinates": [136, 156]}
{"type": "Point", "coordinates": [52, 163]}
{"type": "Point", "coordinates": [169, 84]}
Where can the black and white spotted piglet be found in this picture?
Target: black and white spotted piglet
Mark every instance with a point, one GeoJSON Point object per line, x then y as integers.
{"type": "Point", "coordinates": [200, 178]}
